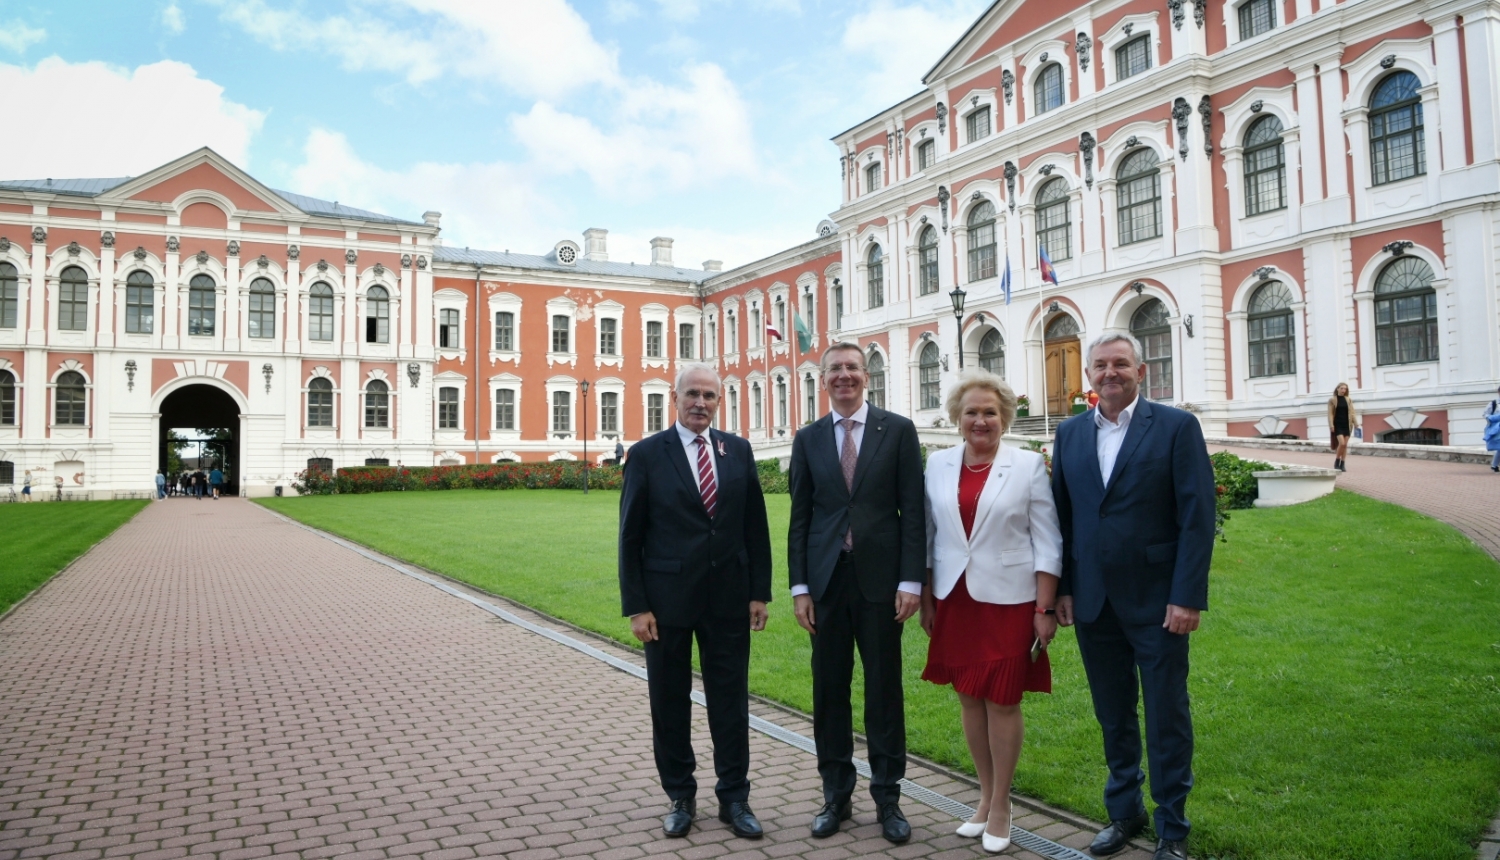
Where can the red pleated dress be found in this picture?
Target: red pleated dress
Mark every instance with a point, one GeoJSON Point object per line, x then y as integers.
{"type": "Point", "coordinates": [984, 649]}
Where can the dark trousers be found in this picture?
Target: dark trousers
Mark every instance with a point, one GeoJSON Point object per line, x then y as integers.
{"type": "Point", "coordinates": [1120, 660]}
{"type": "Point", "coordinates": [844, 618]}
{"type": "Point", "coordinates": [724, 656]}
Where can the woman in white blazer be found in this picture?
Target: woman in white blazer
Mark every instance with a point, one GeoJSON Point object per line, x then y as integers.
{"type": "Point", "coordinates": [994, 552]}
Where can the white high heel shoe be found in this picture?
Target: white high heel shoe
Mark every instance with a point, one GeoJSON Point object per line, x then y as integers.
{"type": "Point", "coordinates": [971, 829]}
{"type": "Point", "coordinates": [996, 844]}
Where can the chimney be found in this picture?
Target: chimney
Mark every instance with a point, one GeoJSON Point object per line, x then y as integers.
{"type": "Point", "coordinates": [713, 265]}
{"type": "Point", "coordinates": [594, 244]}
{"type": "Point", "coordinates": [432, 218]}
{"type": "Point", "coordinates": [661, 251]}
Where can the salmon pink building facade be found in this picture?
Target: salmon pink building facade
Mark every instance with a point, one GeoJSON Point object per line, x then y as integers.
{"type": "Point", "coordinates": [1274, 196]}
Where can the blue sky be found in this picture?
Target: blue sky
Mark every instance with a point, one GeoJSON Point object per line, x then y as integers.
{"type": "Point", "coordinates": [523, 121]}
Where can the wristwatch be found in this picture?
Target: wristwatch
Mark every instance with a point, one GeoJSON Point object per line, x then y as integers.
{"type": "Point", "coordinates": [1048, 611]}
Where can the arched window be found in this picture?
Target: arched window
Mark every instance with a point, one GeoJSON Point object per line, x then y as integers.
{"type": "Point", "coordinates": [982, 241]}
{"type": "Point", "coordinates": [875, 390]}
{"type": "Point", "coordinates": [927, 253]}
{"type": "Point", "coordinates": [320, 312]}
{"type": "Point", "coordinates": [377, 404]}
{"type": "Point", "coordinates": [320, 403]}
{"type": "Point", "coordinates": [73, 300]}
{"type": "Point", "coordinates": [1139, 196]}
{"type": "Point", "coordinates": [1265, 167]}
{"type": "Point", "coordinates": [9, 295]}
{"type": "Point", "coordinates": [7, 398]}
{"type": "Point", "coordinates": [1270, 324]}
{"type": "Point", "coordinates": [1149, 325]}
{"type": "Point", "coordinates": [992, 352]}
{"type": "Point", "coordinates": [875, 276]}
{"type": "Point", "coordinates": [140, 303]}
{"type": "Point", "coordinates": [1061, 326]}
{"type": "Point", "coordinates": [262, 319]}
{"type": "Point", "coordinates": [1048, 88]}
{"type": "Point", "coordinates": [1054, 227]}
{"type": "Point", "coordinates": [377, 316]}
{"type": "Point", "coordinates": [1133, 57]}
{"type": "Point", "coordinates": [70, 398]}
{"type": "Point", "coordinates": [928, 374]}
{"type": "Point", "coordinates": [202, 302]}
{"type": "Point", "coordinates": [447, 408]}
{"type": "Point", "coordinates": [1406, 328]}
{"type": "Point", "coordinates": [1397, 146]}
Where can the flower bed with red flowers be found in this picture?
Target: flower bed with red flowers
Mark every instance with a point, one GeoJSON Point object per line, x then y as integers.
{"type": "Point", "coordinates": [356, 480]}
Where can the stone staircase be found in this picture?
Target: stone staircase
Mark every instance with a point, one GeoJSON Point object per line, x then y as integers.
{"type": "Point", "coordinates": [1036, 427]}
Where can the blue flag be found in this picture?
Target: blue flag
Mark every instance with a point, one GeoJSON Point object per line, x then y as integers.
{"type": "Point", "coordinates": [1045, 264]}
{"type": "Point", "coordinates": [1005, 280]}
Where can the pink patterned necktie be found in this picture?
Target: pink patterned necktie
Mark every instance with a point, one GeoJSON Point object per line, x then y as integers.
{"type": "Point", "coordinates": [848, 458]}
{"type": "Point", "coordinates": [706, 483]}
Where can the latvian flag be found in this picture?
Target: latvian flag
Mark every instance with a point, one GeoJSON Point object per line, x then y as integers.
{"type": "Point", "coordinates": [772, 331]}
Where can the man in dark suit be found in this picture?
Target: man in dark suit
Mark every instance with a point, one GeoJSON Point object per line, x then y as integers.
{"type": "Point", "coordinates": [1135, 494]}
{"type": "Point", "coordinates": [857, 553]}
{"type": "Point", "coordinates": [695, 561]}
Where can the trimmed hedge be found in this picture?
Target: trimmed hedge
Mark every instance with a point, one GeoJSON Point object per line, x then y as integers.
{"type": "Point", "coordinates": [563, 475]}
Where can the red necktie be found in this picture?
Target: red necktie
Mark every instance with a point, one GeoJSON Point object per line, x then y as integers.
{"type": "Point", "coordinates": [706, 483]}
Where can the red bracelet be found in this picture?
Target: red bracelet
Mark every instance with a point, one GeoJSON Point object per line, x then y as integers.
{"type": "Point", "coordinates": [1041, 611]}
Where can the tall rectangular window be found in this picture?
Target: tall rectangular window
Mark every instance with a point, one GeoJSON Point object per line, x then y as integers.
{"type": "Point", "coordinates": [140, 303]}
{"type": "Point", "coordinates": [734, 409]}
{"type": "Point", "coordinates": [711, 338]}
{"type": "Point", "coordinates": [608, 336]}
{"type": "Point", "coordinates": [320, 403]}
{"type": "Point", "coordinates": [560, 340]}
{"type": "Point", "coordinates": [1133, 57]}
{"type": "Point", "coordinates": [9, 295]}
{"type": "Point", "coordinates": [1256, 17]}
{"type": "Point", "coordinates": [562, 412]}
{"type": "Point", "coordinates": [505, 409]}
{"type": "Point", "coordinates": [872, 178]}
{"type": "Point", "coordinates": [757, 407]}
{"type": "Point", "coordinates": [609, 412]}
{"type": "Point", "coordinates": [7, 398]}
{"type": "Point", "coordinates": [448, 328]}
{"type": "Point", "coordinates": [656, 411]}
{"type": "Point", "coordinates": [838, 306]}
{"type": "Point", "coordinates": [685, 339]}
{"type": "Point", "coordinates": [505, 331]}
{"type": "Point", "coordinates": [653, 340]}
{"type": "Point", "coordinates": [320, 313]}
{"type": "Point", "coordinates": [447, 408]}
{"type": "Point", "coordinates": [732, 343]}
{"type": "Point", "coordinates": [73, 300]}
{"type": "Point", "coordinates": [926, 154]}
{"type": "Point", "coordinates": [261, 320]}
{"type": "Point", "coordinates": [757, 331]}
{"type": "Point", "coordinates": [978, 124]}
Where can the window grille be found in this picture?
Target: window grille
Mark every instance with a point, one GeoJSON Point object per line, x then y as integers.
{"type": "Point", "coordinates": [202, 305]}
{"type": "Point", "coordinates": [448, 328]}
{"type": "Point", "coordinates": [70, 400]}
{"type": "Point", "coordinates": [875, 276]}
{"type": "Point", "coordinates": [505, 331]}
{"type": "Point", "coordinates": [73, 300]}
{"type": "Point", "coordinates": [977, 124]}
{"type": "Point", "coordinates": [560, 340]}
{"type": "Point", "coordinates": [7, 398]}
{"type": "Point", "coordinates": [992, 352]}
{"type": "Point", "coordinates": [872, 178]}
{"type": "Point", "coordinates": [1054, 225]}
{"type": "Point", "coordinates": [140, 303]}
{"type": "Point", "coordinates": [1133, 57]}
{"type": "Point", "coordinates": [982, 241]}
{"type": "Point", "coordinates": [377, 405]}
{"type": "Point", "coordinates": [1270, 323]}
{"type": "Point", "coordinates": [926, 154]}
{"type": "Point", "coordinates": [656, 411]}
{"type": "Point", "coordinates": [447, 408]}
{"type": "Point", "coordinates": [1256, 17]}
{"type": "Point", "coordinates": [927, 252]}
{"type": "Point", "coordinates": [9, 295]}
{"type": "Point", "coordinates": [875, 388]}
{"type": "Point", "coordinates": [320, 403]}
{"type": "Point", "coordinates": [1139, 197]}
{"type": "Point", "coordinates": [685, 339]}
{"type": "Point", "coordinates": [1150, 327]}
{"type": "Point", "coordinates": [562, 413]}
{"type": "Point", "coordinates": [1397, 135]}
{"type": "Point", "coordinates": [1048, 89]}
{"type": "Point", "coordinates": [609, 412]}
{"type": "Point", "coordinates": [1406, 319]}
{"type": "Point", "coordinates": [320, 312]}
{"type": "Point", "coordinates": [608, 336]}
{"type": "Point", "coordinates": [377, 316]}
{"type": "Point", "coordinates": [653, 340]}
{"type": "Point", "coordinates": [1265, 167]}
{"type": "Point", "coordinates": [505, 409]}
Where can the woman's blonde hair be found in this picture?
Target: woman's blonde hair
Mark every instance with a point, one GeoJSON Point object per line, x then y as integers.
{"type": "Point", "coordinates": [972, 379]}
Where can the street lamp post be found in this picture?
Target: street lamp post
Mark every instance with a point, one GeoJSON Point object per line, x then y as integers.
{"type": "Point", "coordinates": [585, 385]}
{"type": "Point", "coordinates": [958, 314]}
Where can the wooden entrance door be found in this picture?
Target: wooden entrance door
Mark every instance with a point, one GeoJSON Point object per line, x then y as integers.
{"type": "Point", "coordinates": [1064, 374]}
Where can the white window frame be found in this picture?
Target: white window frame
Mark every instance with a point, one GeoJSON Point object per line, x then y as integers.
{"type": "Point", "coordinates": [656, 313]}
{"type": "Point", "coordinates": [1115, 38]}
{"type": "Point", "coordinates": [512, 383]}
{"type": "Point", "coordinates": [511, 304]}
{"type": "Point", "coordinates": [564, 307]}
{"type": "Point", "coordinates": [609, 310]}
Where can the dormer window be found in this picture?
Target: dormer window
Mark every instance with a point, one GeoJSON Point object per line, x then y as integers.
{"type": "Point", "coordinates": [978, 124]}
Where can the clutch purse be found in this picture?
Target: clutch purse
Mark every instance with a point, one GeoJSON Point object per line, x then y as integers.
{"type": "Point", "coordinates": [1036, 649]}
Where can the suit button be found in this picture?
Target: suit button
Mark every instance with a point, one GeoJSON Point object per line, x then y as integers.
{"type": "Point", "coordinates": [713, 564]}
{"type": "Point", "coordinates": [851, 506]}
{"type": "Point", "coordinates": [713, 532]}
{"type": "Point", "coordinates": [1104, 516]}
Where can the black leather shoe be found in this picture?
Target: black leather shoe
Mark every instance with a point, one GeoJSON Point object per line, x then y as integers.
{"type": "Point", "coordinates": [826, 822]}
{"type": "Point", "coordinates": [740, 819]}
{"type": "Point", "coordinates": [1114, 837]}
{"type": "Point", "coordinates": [680, 820]}
{"type": "Point", "coordinates": [893, 824]}
{"type": "Point", "coordinates": [1170, 849]}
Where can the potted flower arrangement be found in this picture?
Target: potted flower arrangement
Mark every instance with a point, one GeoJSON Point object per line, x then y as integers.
{"type": "Point", "coordinates": [1079, 401]}
{"type": "Point", "coordinates": [1023, 406]}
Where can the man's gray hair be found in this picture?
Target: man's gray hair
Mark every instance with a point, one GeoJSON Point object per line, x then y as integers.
{"type": "Point", "coordinates": [697, 367]}
{"type": "Point", "coordinates": [1111, 337]}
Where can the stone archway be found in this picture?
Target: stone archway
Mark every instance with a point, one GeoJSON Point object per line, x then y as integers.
{"type": "Point", "coordinates": [202, 406]}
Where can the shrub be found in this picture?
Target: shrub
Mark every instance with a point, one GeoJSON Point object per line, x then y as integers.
{"type": "Point", "coordinates": [484, 476]}
{"type": "Point", "coordinates": [767, 467]}
{"type": "Point", "coordinates": [1234, 479]}
{"type": "Point", "coordinates": [313, 482]}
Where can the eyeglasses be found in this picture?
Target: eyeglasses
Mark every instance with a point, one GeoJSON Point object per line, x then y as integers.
{"type": "Point", "coordinates": [844, 368]}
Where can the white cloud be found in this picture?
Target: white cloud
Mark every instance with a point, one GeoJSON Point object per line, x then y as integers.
{"type": "Point", "coordinates": [618, 11]}
{"type": "Point", "coordinates": [53, 146]}
{"type": "Point", "coordinates": [903, 42]}
{"type": "Point", "coordinates": [173, 20]}
{"type": "Point", "coordinates": [17, 37]}
{"type": "Point", "coordinates": [679, 10]}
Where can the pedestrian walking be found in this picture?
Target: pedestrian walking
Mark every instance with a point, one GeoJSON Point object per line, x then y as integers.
{"type": "Point", "coordinates": [161, 486]}
{"type": "Point", "coordinates": [26, 487]}
{"type": "Point", "coordinates": [1342, 417]}
{"type": "Point", "coordinates": [1492, 432]}
{"type": "Point", "coordinates": [216, 481]}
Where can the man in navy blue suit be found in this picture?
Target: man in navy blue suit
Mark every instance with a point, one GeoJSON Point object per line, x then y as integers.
{"type": "Point", "coordinates": [1135, 494]}
{"type": "Point", "coordinates": [695, 563]}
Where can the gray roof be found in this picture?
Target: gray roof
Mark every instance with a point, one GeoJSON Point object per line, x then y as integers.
{"type": "Point", "coordinates": [95, 187]}
{"type": "Point", "coordinates": [445, 254]}
{"type": "Point", "coordinates": [75, 187]}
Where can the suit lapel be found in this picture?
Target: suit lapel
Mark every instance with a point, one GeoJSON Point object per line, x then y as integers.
{"type": "Point", "coordinates": [678, 456]}
{"type": "Point", "coordinates": [728, 471]}
{"type": "Point", "coordinates": [874, 435]}
{"type": "Point", "coordinates": [950, 471]}
{"type": "Point", "coordinates": [1090, 453]}
{"type": "Point", "coordinates": [993, 482]}
{"type": "Point", "coordinates": [1140, 422]}
{"type": "Point", "coordinates": [824, 457]}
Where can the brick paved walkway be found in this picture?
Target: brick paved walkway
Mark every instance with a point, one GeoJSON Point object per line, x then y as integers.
{"type": "Point", "coordinates": [1464, 495]}
{"type": "Point", "coordinates": [212, 681]}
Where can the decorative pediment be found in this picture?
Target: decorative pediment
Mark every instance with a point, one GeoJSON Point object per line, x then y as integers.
{"type": "Point", "coordinates": [198, 172]}
{"type": "Point", "coordinates": [1004, 24]}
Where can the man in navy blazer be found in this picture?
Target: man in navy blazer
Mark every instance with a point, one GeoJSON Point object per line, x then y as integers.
{"type": "Point", "coordinates": [695, 562]}
{"type": "Point", "coordinates": [1135, 495]}
{"type": "Point", "coordinates": [856, 559]}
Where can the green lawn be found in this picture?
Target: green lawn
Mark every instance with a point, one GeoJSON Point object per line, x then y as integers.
{"type": "Point", "coordinates": [1344, 683]}
{"type": "Point", "coordinates": [39, 539]}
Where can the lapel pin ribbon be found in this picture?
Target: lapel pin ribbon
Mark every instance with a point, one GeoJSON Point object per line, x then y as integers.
{"type": "Point", "coordinates": [721, 449]}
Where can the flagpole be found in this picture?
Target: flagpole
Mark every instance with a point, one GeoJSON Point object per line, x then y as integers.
{"type": "Point", "coordinates": [1041, 316]}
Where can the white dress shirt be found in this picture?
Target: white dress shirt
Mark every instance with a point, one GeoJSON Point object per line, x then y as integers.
{"type": "Point", "coordinates": [861, 416]}
{"type": "Point", "coordinates": [691, 449]}
{"type": "Point", "coordinates": [1111, 436]}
